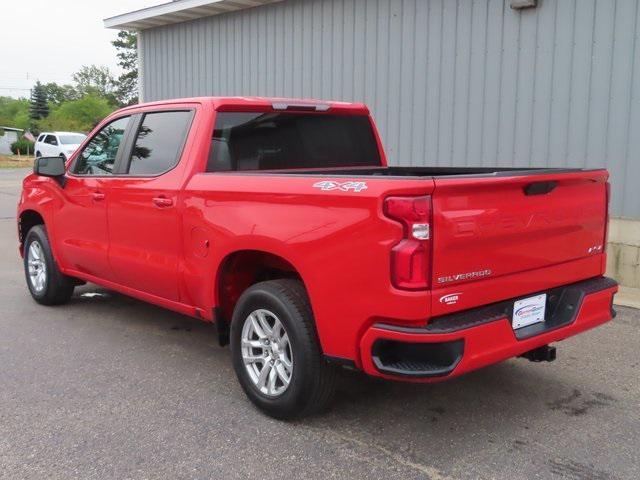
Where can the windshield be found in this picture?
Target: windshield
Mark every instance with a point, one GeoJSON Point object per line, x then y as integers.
{"type": "Point", "coordinates": [75, 139]}
{"type": "Point", "coordinates": [264, 141]}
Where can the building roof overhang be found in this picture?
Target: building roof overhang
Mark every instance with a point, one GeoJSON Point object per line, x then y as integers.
{"type": "Point", "coordinates": [178, 11]}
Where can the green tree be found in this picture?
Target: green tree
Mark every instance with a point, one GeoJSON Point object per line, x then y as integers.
{"type": "Point", "coordinates": [39, 108]}
{"type": "Point", "coordinates": [58, 94]}
{"type": "Point", "coordinates": [22, 120]}
{"type": "Point", "coordinates": [127, 52]}
{"type": "Point", "coordinates": [78, 115]}
{"type": "Point", "coordinates": [14, 112]}
{"type": "Point", "coordinates": [96, 81]}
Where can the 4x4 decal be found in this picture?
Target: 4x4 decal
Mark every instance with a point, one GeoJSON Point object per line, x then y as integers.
{"type": "Point", "coordinates": [328, 185]}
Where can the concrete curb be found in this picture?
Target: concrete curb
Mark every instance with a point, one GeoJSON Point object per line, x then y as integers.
{"type": "Point", "coordinates": [627, 297]}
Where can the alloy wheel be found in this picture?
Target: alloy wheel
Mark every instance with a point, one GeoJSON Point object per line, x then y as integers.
{"type": "Point", "coordinates": [37, 266]}
{"type": "Point", "coordinates": [266, 352]}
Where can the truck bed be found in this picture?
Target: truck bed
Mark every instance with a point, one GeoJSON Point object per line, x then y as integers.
{"type": "Point", "coordinates": [487, 222]}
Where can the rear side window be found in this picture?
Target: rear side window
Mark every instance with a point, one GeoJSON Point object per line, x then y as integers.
{"type": "Point", "coordinates": [268, 141]}
{"type": "Point", "coordinates": [51, 140]}
{"type": "Point", "coordinates": [72, 139]}
{"type": "Point", "coordinates": [98, 157]}
{"type": "Point", "coordinates": [159, 142]}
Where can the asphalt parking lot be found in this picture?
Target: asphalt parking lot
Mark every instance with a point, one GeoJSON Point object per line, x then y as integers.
{"type": "Point", "coordinates": [110, 387]}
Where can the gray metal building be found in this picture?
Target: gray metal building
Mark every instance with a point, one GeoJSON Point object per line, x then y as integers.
{"type": "Point", "coordinates": [450, 82]}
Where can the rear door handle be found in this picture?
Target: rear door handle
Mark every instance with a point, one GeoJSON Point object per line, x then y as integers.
{"type": "Point", "coordinates": [98, 196]}
{"type": "Point", "coordinates": [162, 201]}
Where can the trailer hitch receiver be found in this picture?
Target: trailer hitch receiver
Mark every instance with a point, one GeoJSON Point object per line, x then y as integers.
{"type": "Point", "coordinates": [541, 354]}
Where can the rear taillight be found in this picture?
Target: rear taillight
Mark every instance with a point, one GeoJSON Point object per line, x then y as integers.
{"type": "Point", "coordinates": [411, 256]}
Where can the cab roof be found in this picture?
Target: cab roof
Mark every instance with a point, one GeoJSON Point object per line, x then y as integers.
{"type": "Point", "coordinates": [268, 103]}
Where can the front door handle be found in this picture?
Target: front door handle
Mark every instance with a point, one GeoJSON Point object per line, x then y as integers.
{"type": "Point", "coordinates": [162, 202]}
{"type": "Point", "coordinates": [98, 196]}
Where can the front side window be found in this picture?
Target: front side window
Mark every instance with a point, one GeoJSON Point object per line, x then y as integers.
{"type": "Point", "coordinates": [98, 157]}
{"type": "Point", "coordinates": [159, 142]}
{"type": "Point", "coordinates": [277, 140]}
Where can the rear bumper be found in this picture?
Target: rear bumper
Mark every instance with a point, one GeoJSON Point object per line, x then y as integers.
{"type": "Point", "coordinates": [455, 344]}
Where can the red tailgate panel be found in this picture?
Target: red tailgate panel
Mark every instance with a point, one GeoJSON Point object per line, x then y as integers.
{"type": "Point", "coordinates": [488, 227]}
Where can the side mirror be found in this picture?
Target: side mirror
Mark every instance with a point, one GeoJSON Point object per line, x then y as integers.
{"type": "Point", "coordinates": [49, 167]}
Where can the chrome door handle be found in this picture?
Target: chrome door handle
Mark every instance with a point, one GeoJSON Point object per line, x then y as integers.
{"type": "Point", "coordinates": [162, 201]}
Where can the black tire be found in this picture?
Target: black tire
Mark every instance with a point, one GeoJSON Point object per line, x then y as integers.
{"type": "Point", "coordinates": [57, 288]}
{"type": "Point", "coordinates": [63, 157]}
{"type": "Point", "coordinates": [38, 154]}
{"type": "Point", "coordinates": [312, 381]}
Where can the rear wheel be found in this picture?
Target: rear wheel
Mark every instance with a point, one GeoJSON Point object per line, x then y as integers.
{"type": "Point", "coordinates": [38, 154]}
{"type": "Point", "coordinates": [276, 353]}
{"type": "Point", "coordinates": [47, 285]}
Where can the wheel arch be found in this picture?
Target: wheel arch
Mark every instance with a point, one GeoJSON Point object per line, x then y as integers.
{"type": "Point", "coordinates": [28, 219]}
{"type": "Point", "coordinates": [239, 270]}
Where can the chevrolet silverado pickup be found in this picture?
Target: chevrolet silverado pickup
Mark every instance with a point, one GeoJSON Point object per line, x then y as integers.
{"type": "Point", "coordinates": [280, 222]}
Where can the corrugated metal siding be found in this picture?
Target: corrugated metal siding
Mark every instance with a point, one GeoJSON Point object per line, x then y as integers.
{"type": "Point", "coordinates": [466, 82]}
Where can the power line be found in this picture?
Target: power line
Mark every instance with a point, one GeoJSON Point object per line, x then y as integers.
{"type": "Point", "coordinates": [14, 88]}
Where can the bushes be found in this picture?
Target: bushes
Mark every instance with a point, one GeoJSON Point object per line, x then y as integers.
{"type": "Point", "coordinates": [22, 146]}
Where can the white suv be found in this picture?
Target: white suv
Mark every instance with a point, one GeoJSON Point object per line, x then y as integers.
{"type": "Point", "coordinates": [58, 144]}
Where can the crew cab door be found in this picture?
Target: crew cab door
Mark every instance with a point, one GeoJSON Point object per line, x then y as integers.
{"type": "Point", "coordinates": [81, 222]}
{"type": "Point", "coordinates": [143, 212]}
{"type": "Point", "coordinates": [50, 146]}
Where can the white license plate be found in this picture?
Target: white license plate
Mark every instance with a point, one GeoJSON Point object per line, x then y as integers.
{"type": "Point", "coordinates": [529, 311]}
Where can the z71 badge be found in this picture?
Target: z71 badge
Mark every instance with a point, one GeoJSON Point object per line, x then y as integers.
{"type": "Point", "coordinates": [328, 185]}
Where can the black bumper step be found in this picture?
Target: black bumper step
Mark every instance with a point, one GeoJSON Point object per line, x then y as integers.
{"type": "Point", "coordinates": [417, 359]}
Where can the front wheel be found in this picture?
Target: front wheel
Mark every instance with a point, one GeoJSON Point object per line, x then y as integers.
{"type": "Point", "coordinates": [276, 353]}
{"type": "Point", "coordinates": [47, 285]}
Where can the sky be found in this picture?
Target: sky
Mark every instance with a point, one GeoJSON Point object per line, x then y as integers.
{"type": "Point", "coordinates": [49, 40]}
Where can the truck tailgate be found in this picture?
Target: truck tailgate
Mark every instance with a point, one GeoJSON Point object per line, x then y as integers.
{"type": "Point", "coordinates": [488, 227]}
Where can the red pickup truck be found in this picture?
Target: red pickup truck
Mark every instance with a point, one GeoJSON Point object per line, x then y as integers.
{"type": "Point", "coordinates": [281, 222]}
